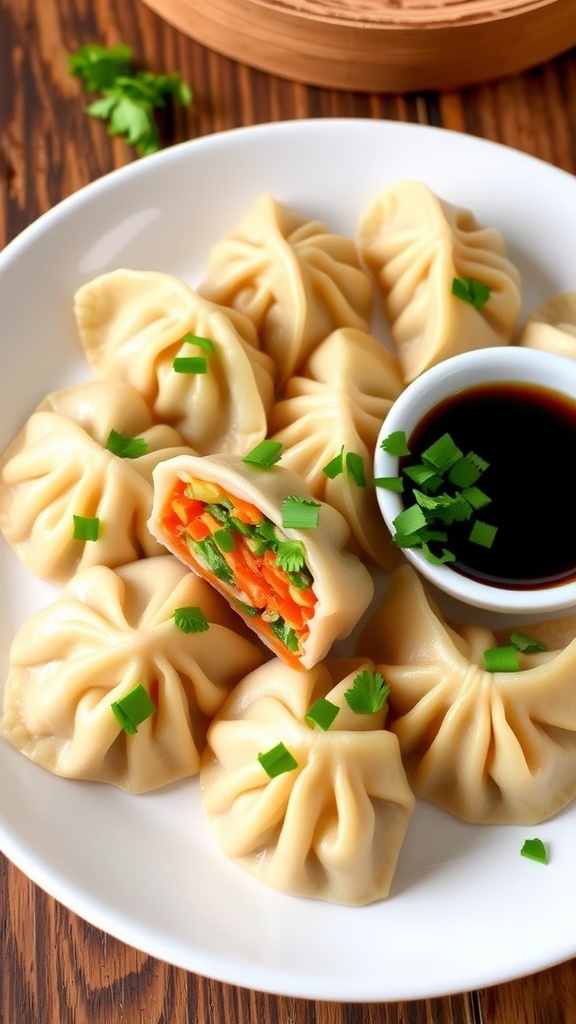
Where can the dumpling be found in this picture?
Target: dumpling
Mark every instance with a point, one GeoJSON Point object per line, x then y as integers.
{"type": "Point", "coordinates": [295, 586]}
{"type": "Point", "coordinates": [416, 244]}
{"type": "Point", "coordinates": [333, 827]}
{"type": "Point", "coordinates": [107, 633]}
{"type": "Point", "coordinates": [296, 280]}
{"type": "Point", "coordinates": [552, 326]}
{"type": "Point", "coordinates": [135, 324]}
{"type": "Point", "coordinates": [59, 467]}
{"type": "Point", "coordinates": [486, 746]}
{"type": "Point", "coordinates": [335, 410]}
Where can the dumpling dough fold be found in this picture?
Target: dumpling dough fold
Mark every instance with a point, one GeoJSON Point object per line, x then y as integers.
{"type": "Point", "coordinates": [486, 746]}
{"type": "Point", "coordinates": [332, 828]}
{"type": "Point", "coordinates": [416, 244]}
{"type": "Point", "coordinates": [552, 326]}
{"type": "Point", "coordinates": [296, 280]}
{"type": "Point", "coordinates": [108, 631]}
{"type": "Point", "coordinates": [133, 325]}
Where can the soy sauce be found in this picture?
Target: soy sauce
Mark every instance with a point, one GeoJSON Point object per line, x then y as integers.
{"type": "Point", "coordinates": [527, 434]}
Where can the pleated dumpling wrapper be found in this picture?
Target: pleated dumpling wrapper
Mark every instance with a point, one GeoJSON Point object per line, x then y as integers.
{"type": "Point", "coordinates": [198, 366]}
{"type": "Point", "coordinates": [330, 825]}
{"type": "Point", "coordinates": [295, 279]}
{"type": "Point", "coordinates": [59, 467]}
{"type": "Point", "coordinates": [328, 422]}
{"type": "Point", "coordinates": [486, 746]}
{"type": "Point", "coordinates": [552, 326]}
{"type": "Point", "coordinates": [416, 244]}
{"type": "Point", "coordinates": [273, 551]}
{"type": "Point", "coordinates": [111, 632]}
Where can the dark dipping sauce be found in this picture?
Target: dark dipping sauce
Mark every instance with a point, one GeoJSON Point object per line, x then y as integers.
{"type": "Point", "coordinates": [527, 434]}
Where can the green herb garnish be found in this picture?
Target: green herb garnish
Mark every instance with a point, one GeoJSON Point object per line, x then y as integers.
{"type": "Point", "coordinates": [277, 761]}
{"type": "Point", "coordinates": [322, 713]}
{"type": "Point", "coordinates": [264, 455]}
{"type": "Point", "coordinates": [476, 293]}
{"type": "Point", "coordinates": [195, 339]}
{"type": "Point", "coordinates": [190, 364]}
{"type": "Point", "coordinates": [126, 447]}
{"type": "Point", "coordinates": [336, 465]}
{"type": "Point", "coordinates": [501, 659]}
{"type": "Point", "coordinates": [535, 849]}
{"type": "Point", "coordinates": [285, 634]}
{"type": "Point", "coordinates": [396, 443]}
{"type": "Point", "coordinates": [527, 644]}
{"type": "Point", "coordinates": [300, 513]}
{"type": "Point", "coordinates": [190, 619]}
{"type": "Point", "coordinates": [129, 100]}
{"type": "Point", "coordinates": [86, 528]}
{"type": "Point", "coordinates": [483, 534]}
{"type": "Point", "coordinates": [355, 468]}
{"type": "Point", "coordinates": [290, 555]}
{"type": "Point", "coordinates": [389, 483]}
{"type": "Point", "coordinates": [207, 552]}
{"type": "Point", "coordinates": [368, 693]}
{"type": "Point", "coordinates": [133, 709]}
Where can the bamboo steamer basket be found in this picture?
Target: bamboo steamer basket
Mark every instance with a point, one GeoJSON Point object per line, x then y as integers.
{"type": "Point", "coordinates": [380, 45]}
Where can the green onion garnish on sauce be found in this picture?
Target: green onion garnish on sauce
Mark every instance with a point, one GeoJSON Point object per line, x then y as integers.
{"type": "Point", "coordinates": [482, 533]}
{"type": "Point", "coordinates": [476, 293]}
{"type": "Point", "coordinates": [277, 761]}
{"type": "Point", "coordinates": [86, 528]}
{"type": "Point", "coordinates": [126, 447]}
{"type": "Point", "coordinates": [264, 455]}
{"type": "Point", "coordinates": [190, 364]}
{"type": "Point", "coordinates": [300, 513]}
{"type": "Point", "coordinates": [368, 693]}
{"type": "Point", "coordinates": [535, 849]}
{"type": "Point", "coordinates": [443, 454]}
{"type": "Point", "coordinates": [133, 709]}
{"type": "Point", "coordinates": [322, 713]}
{"type": "Point", "coordinates": [195, 339]}
{"type": "Point", "coordinates": [396, 443]}
{"type": "Point", "coordinates": [190, 619]}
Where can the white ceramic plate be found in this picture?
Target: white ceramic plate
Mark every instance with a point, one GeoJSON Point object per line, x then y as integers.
{"type": "Point", "coordinates": [466, 910]}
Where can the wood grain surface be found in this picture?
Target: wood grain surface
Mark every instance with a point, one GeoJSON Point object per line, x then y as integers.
{"type": "Point", "coordinates": [54, 968]}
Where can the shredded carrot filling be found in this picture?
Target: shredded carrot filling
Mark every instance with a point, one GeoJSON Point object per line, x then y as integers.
{"type": "Point", "coordinates": [233, 545]}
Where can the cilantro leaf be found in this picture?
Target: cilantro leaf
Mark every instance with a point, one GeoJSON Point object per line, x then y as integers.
{"type": "Point", "coordinates": [368, 693]}
{"type": "Point", "coordinates": [99, 66]}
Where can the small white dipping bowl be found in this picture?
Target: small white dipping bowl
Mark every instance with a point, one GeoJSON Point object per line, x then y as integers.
{"type": "Point", "coordinates": [508, 364]}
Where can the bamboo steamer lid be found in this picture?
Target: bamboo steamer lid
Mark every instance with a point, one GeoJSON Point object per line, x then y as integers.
{"type": "Point", "coordinates": [380, 45]}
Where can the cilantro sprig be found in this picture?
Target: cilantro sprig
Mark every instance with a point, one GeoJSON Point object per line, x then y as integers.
{"type": "Point", "coordinates": [129, 99]}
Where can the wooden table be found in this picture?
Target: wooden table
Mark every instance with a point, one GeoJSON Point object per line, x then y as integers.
{"type": "Point", "coordinates": [54, 968]}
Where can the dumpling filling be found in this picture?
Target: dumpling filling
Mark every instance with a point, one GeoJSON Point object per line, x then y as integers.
{"type": "Point", "coordinates": [230, 542]}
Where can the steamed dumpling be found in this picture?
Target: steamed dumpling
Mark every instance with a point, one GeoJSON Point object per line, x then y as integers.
{"type": "Point", "coordinates": [552, 326]}
{"type": "Point", "coordinates": [134, 324]}
{"type": "Point", "coordinates": [59, 467]}
{"type": "Point", "coordinates": [486, 746]}
{"type": "Point", "coordinates": [298, 588]}
{"type": "Point", "coordinates": [108, 632]}
{"type": "Point", "coordinates": [416, 244]}
{"type": "Point", "coordinates": [296, 280]}
{"type": "Point", "coordinates": [336, 408]}
{"type": "Point", "coordinates": [332, 828]}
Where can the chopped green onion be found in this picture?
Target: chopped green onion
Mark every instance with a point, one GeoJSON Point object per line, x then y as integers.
{"type": "Point", "coordinates": [264, 455]}
{"type": "Point", "coordinates": [483, 534]}
{"type": "Point", "coordinates": [368, 693]}
{"type": "Point", "coordinates": [277, 761]}
{"type": "Point", "coordinates": [208, 553]}
{"type": "Point", "coordinates": [443, 454]}
{"type": "Point", "coordinates": [246, 529]}
{"type": "Point", "coordinates": [355, 468]}
{"type": "Point", "coordinates": [267, 530]}
{"type": "Point", "coordinates": [286, 635]}
{"type": "Point", "coordinates": [224, 540]}
{"type": "Point", "coordinates": [300, 513]}
{"type": "Point", "coordinates": [422, 474]}
{"type": "Point", "coordinates": [126, 447]}
{"type": "Point", "coordinates": [527, 644]}
{"type": "Point", "coordinates": [396, 443]}
{"type": "Point", "coordinates": [535, 849]}
{"type": "Point", "coordinates": [501, 659]}
{"type": "Point", "coordinates": [470, 290]}
{"type": "Point", "coordinates": [441, 559]}
{"type": "Point", "coordinates": [190, 364]}
{"type": "Point", "coordinates": [389, 483]}
{"type": "Point", "coordinates": [190, 619]}
{"type": "Point", "coordinates": [475, 497]}
{"type": "Point", "coordinates": [410, 520]}
{"type": "Point", "coordinates": [467, 470]}
{"type": "Point", "coordinates": [336, 465]}
{"type": "Point", "coordinates": [86, 528]}
{"type": "Point", "coordinates": [133, 709]}
{"type": "Point", "coordinates": [194, 339]}
{"type": "Point", "coordinates": [290, 555]}
{"type": "Point", "coordinates": [407, 540]}
{"type": "Point", "coordinates": [322, 713]}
